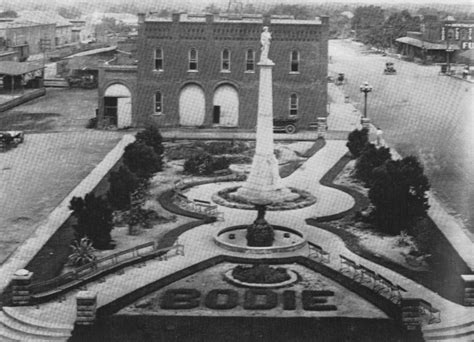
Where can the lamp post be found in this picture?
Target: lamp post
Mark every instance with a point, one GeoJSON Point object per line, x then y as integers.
{"type": "Point", "coordinates": [365, 88]}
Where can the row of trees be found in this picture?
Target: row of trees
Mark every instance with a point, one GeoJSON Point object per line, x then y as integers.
{"type": "Point", "coordinates": [374, 27]}
{"type": "Point", "coordinates": [141, 159]}
{"type": "Point", "coordinates": [397, 188]}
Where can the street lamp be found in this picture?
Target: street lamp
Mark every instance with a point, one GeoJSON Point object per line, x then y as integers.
{"type": "Point", "coordinates": [365, 88]}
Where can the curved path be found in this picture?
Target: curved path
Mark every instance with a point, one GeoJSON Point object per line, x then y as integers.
{"type": "Point", "coordinates": [59, 316]}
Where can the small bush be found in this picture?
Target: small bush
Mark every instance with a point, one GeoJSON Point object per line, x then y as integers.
{"type": "Point", "coordinates": [260, 234]}
{"type": "Point", "coordinates": [94, 220]}
{"type": "Point", "coordinates": [205, 164]}
{"type": "Point", "coordinates": [357, 140]}
{"type": "Point", "coordinates": [260, 274]}
{"type": "Point", "coordinates": [82, 253]}
{"type": "Point", "coordinates": [122, 184]}
{"type": "Point", "coordinates": [142, 160]}
{"type": "Point", "coordinates": [423, 236]}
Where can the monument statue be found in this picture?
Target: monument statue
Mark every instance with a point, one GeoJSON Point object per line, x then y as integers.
{"type": "Point", "coordinates": [265, 40]}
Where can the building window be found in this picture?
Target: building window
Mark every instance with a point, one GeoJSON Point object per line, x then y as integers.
{"type": "Point", "coordinates": [158, 59]}
{"type": "Point", "coordinates": [293, 104]}
{"type": "Point", "coordinates": [295, 61]}
{"type": "Point", "coordinates": [225, 60]}
{"type": "Point", "coordinates": [158, 103]}
{"type": "Point", "coordinates": [193, 59]}
{"type": "Point", "coordinates": [250, 61]}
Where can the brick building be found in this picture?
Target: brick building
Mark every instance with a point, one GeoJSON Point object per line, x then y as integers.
{"type": "Point", "coordinates": [201, 71]}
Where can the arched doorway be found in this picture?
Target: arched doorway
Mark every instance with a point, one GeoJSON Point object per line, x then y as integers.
{"type": "Point", "coordinates": [226, 106]}
{"type": "Point", "coordinates": [118, 106]}
{"type": "Point", "coordinates": [192, 106]}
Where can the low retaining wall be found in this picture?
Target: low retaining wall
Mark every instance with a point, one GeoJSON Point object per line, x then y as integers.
{"type": "Point", "coordinates": [26, 252]}
{"type": "Point", "coordinates": [28, 96]}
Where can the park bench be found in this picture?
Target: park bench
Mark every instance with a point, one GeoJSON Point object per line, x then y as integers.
{"type": "Point", "coordinates": [367, 276]}
{"type": "Point", "coordinates": [349, 266]}
{"type": "Point", "coordinates": [318, 253]}
{"type": "Point", "coordinates": [393, 291]}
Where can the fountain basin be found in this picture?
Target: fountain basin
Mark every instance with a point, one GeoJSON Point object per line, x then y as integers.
{"type": "Point", "coordinates": [286, 240]}
{"type": "Point", "coordinates": [293, 279]}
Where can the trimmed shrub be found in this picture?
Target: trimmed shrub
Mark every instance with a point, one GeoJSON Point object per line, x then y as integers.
{"type": "Point", "coordinates": [260, 274]}
{"type": "Point", "coordinates": [142, 160]}
{"type": "Point", "coordinates": [398, 193]}
{"type": "Point", "coordinates": [151, 136]}
{"type": "Point", "coordinates": [260, 234]}
{"type": "Point", "coordinates": [357, 140]}
{"type": "Point", "coordinates": [205, 164]}
{"type": "Point", "coordinates": [122, 184]}
{"type": "Point", "coordinates": [93, 220]}
{"type": "Point", "coordinates": [370, 158]}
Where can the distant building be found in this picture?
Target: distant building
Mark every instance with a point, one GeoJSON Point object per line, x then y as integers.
{"type": "Point", "coordinates": [27, 37]}
{"type": "Point", "coordinates": [201, 71]}
{"type": "Point", "coordinates": [439, 41]}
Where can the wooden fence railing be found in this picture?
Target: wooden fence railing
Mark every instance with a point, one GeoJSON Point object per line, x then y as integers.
{"type": "Point", "coordinates": [80, 274]}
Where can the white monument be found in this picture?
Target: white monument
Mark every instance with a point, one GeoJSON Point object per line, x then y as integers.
{"type": "Point", "coordinates": [263, 185]}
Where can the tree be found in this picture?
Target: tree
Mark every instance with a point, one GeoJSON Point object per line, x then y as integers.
{"type": "Point", "coordinates": [93, 220]}
{"type": "Point", "coordinates": [297, 11]}
{"type": "Point", "coordinates": [357, 140]}
{"type": "Point", "coordinates": [398, 194]}
{"type": "Point", "coordinates": [69, 12]}
{"type": "Point", "coordinates": [122, 184]}
{"type": "Point", "coordinates": [151, 136]}
{"type": "Point", "coordinates": [370, 158]}
{"type": "Point", "coordinates": [397, 25]}
{"type": "Point", "coordinates": [367, 21]}
{"type": "Point", "coordinates": [142, 160]}
{"type": "Point", "coordinates": [9, 14]}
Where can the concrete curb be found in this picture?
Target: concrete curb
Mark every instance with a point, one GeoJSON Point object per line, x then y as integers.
{"type": "Point", "coordinates": [27, 250]}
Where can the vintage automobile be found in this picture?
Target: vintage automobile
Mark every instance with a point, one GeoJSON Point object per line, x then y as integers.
{"type": "Point", "coordinates": [389, 69]}
{"type": "Point", "coordinates": [340, 80]}
{"type": "Point", "coordinates": [287, 125]}
{"type": "Point", "coordinates": [11, 139]}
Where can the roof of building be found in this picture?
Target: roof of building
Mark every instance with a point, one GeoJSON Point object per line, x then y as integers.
{"type": "Point", "coordinates": [427, 45]}
{"type": "Point", "coordinates": [18, 68]}
{"type": "Point", "coordinates": [244, 18]}
{"type": "Point", "coordinates": [93, 52]}
{"type": "Point", "coordinates": [42, 17]}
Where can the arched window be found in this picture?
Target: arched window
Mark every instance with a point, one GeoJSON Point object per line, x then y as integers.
{"type": "Point", "coordinates": [158, 103]}
{"type": "Point", "coordinates": [293, 104]}
{"type": "Point", "coordinates": [250, 60]}
{"type": "Point", "coordinates": [295, 61]}
{"type": "Point", "coordinates": [158, 59]}
{"type": "Point", "coordinates": [193, 59]}
{"type": "Point", "coordinates": [225, 60]}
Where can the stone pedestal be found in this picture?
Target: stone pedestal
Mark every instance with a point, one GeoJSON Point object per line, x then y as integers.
{"type": "Point", "coordinates": [468, 280]}
{"type": "Point", "coordinates": [21, 282]}
{"type": "Point", "coordinates": [86, 307]}
{"type": "Point", "coordinates": [322, 127]}
{"type": "Point", "coordinates": [365, 122]}
{"type": "Point", "coordinates": [263, 184]}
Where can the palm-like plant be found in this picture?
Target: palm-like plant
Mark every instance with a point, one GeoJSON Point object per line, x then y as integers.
{"type": "Point", "coordinates": [82, 252]}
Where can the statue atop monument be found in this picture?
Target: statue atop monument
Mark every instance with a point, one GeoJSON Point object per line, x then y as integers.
{"type": "Point", "coordinates": [265, 39]}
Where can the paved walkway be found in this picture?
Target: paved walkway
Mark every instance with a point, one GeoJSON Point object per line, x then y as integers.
{"type": "Point", "coordinates": [199, 246]}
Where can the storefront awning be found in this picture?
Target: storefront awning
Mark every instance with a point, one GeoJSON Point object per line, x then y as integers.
{"type": "Point", "coordinates": [427, 45]}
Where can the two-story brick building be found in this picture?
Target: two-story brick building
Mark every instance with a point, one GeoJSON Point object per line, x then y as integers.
{"type": "Point", "coordinates": [201, 71]}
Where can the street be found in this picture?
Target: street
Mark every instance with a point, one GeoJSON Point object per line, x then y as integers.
{"type": "Point", "coordinates": [421, 113]}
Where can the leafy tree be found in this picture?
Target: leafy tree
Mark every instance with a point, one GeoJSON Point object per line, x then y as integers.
{"type": "Point", "coordinates": [151, 136]}
{"type": "Point", "coordinates": [297, 11]}
{"type": "Point", "coordinates": [367, 21]}
{"type": "Point", "coordinates": [122, 184]}
{"type": "Point", "coordinates": [142, 160]}
{"type": "Point", "coordinates": [397, 25]}
{"type": "Point", "coordinates": [94, 219]}
{"type": "Point", "coordinates": [357, 140]}
{"type": "Point", "coordinates": [69, 12]}
{"type": "Point", "coordinates": [398, 194]}
{"type": "Point", "coordinates": [9, 14]}
{"type": "Point", "coordinates": [370, 158]}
